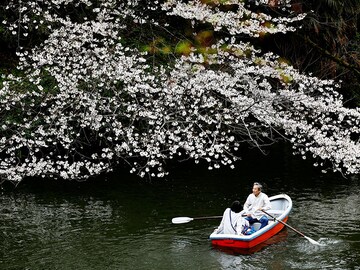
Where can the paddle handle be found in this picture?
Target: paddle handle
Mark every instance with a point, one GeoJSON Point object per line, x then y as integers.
{"type": "Point", "coordinates": [287, 225]}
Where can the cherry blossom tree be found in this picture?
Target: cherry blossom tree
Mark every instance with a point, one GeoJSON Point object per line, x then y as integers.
{"type": "Point", "coordinates": [88, 97]}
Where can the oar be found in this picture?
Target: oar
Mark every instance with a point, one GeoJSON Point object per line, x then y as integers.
{"type": "Point", "coordinates": [179, 220]}
{"type": "Point", "coordinates": [312, 241]}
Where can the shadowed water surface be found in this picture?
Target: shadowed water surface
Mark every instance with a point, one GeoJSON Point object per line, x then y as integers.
{"type": "Point", "coordinates": [121, 222]}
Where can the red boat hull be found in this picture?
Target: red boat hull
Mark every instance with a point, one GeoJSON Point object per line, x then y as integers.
{"type": "Point", "coordinates": [234, 243]}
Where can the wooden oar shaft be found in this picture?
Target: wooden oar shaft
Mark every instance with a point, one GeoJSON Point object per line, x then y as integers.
{"type": "Point", "coordinates": [287, 225]}
{"type": "Point", "coordinates": [211, 217]}
{"type": "Point", "coordinates": [312, 241]}
{"type": "Point", "coordinates": [180, 220]}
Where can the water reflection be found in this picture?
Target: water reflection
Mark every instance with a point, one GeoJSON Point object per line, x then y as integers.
{"type": "Point", "coordinates": [125, 223]}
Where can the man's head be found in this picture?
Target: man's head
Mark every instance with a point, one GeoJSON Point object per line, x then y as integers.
{"type": "Point", "coordinates": [256, 188]}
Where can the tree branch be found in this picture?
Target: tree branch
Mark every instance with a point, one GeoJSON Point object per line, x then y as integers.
{"type": "Point", "coordinates": [336, 59]}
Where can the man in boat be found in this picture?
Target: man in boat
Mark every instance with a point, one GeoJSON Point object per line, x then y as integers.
{"type": "Point", "coordinates": [232, 221]}
{"type": "Point", "coordinates": [256, 202]}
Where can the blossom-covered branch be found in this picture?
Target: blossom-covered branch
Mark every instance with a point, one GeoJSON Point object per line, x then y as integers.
{"type": "Point", "coordinates": [88, 98]}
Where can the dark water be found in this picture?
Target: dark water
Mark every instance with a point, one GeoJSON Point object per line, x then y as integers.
{"type": "Point", "coordinates": [121, 222]}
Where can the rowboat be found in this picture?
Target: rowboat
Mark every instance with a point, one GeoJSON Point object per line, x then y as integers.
{"type": "Point", "coordinates": [281, 206]}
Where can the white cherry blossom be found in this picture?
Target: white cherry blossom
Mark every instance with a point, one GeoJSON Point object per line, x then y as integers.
{"type": "Point", "coordinates": [88, 101]}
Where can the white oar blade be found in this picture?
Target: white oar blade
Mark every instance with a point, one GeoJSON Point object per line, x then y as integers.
{"type": "Point", "coordinates": [179, 220]}
{"type": "Point", "coordinates": [312, 241]}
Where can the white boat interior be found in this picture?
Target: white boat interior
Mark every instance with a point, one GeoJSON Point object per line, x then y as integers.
{"type": "Point", "coordinates": [281, 206]}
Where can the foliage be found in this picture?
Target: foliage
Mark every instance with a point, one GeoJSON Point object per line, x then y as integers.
{"type": "Point", "coordinates": [90, 98]}
{"type": "Point", "coordinates": [329, 48]}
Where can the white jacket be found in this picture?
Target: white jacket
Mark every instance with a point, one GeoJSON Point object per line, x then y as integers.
{"type": "Point", "coordinates": [254, 203]}
{"type": "Point", "coordinates": [231, 223]}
